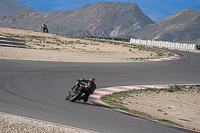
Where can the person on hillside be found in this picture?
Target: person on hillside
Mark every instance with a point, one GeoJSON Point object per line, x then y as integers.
{"type": "Point", "coordinates": [44, 28]}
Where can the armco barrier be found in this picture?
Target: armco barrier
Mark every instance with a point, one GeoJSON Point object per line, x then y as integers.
{"type": "Point", "coordinates": [166, 44]}
{"type": "Point", "coordinates": [11, 42]}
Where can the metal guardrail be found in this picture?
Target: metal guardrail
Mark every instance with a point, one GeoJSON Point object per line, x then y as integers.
{"type": "Point", "coordinates": [12, 42]}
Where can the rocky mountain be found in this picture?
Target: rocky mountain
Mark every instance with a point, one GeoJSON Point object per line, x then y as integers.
{"type": "Point", "coordinates": [12, 6]}
{"type": "Point", "coordinates": [103, 19]}
{"type": "Point", "coordinates": [183, 26]}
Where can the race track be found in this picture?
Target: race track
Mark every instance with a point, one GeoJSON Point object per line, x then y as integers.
{"type": "Point", "coordinates": [37, 89]}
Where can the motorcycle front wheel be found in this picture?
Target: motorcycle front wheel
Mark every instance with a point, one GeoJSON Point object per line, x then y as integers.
{"type": "Point", "coordinates": [76, 97]}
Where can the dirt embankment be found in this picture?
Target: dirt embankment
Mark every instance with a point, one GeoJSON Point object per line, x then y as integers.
{"type": "Point", "coordinates": [52, 47]}
{"type": "Point", "coordinates": [182, 107]}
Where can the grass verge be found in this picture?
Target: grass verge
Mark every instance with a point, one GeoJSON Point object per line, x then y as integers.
{"type": "Point", "coordinates": [115, 100]}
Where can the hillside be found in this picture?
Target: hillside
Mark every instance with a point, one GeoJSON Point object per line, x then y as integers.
{"type": "Point", "coordinates": [103, 19]}
{"type": "Point", "coordinates": [12, 6]}
{"type": "Point", "coordinates": [182, 26]}
{"type": "Point", "coordinates": [106, 19]}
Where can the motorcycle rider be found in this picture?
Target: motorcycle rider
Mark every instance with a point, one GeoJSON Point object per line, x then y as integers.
{"type": "Point", "coordinates": [90, 88]}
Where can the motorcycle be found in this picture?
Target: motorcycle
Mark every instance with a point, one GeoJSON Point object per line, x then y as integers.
{"type": "Point", "coordinates": [77, 91]}
{"type": "Point", "coordinates": [46, 30]}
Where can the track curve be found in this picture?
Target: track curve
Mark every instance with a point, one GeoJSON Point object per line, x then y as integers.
{"type": "Point", "coordinates": [37, 89]}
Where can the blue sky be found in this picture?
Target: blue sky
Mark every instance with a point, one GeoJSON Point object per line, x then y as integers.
{"type": "Point", "coordinates": [152, 8]}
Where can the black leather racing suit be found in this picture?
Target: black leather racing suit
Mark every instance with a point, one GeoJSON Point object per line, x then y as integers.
{"type": "Point", "coordinates": [91, 86]}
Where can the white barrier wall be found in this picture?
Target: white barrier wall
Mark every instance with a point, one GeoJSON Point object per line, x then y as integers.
{"type": "Point", "coordinates": [165, 44]}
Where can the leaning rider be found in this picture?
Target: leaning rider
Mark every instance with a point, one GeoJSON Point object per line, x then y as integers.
{"type": "Point", "coordinates": [90, 88]}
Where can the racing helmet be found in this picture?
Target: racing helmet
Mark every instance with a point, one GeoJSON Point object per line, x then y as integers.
{"type": "Point", "coordinates": [92, 79]}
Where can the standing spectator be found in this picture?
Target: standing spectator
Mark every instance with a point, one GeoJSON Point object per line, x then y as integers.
{"type": "Point", "coordinates": [44, 27]}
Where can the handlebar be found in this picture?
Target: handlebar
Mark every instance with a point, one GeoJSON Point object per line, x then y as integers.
{"type": "Point", "coordinates": [79, 82]}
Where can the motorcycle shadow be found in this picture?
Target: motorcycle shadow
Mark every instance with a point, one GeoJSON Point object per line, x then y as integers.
{"type": "Point", "coordinates": [85, 103]}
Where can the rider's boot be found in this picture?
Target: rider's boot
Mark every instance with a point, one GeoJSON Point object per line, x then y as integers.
{"type": "Point", "coordinates": [84, 98]}
{"type": "Point", "coordinates": [67, 98]}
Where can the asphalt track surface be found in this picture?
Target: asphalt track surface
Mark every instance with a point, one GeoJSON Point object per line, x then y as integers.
{"type": "Point", "coordinates": [37, 89]}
